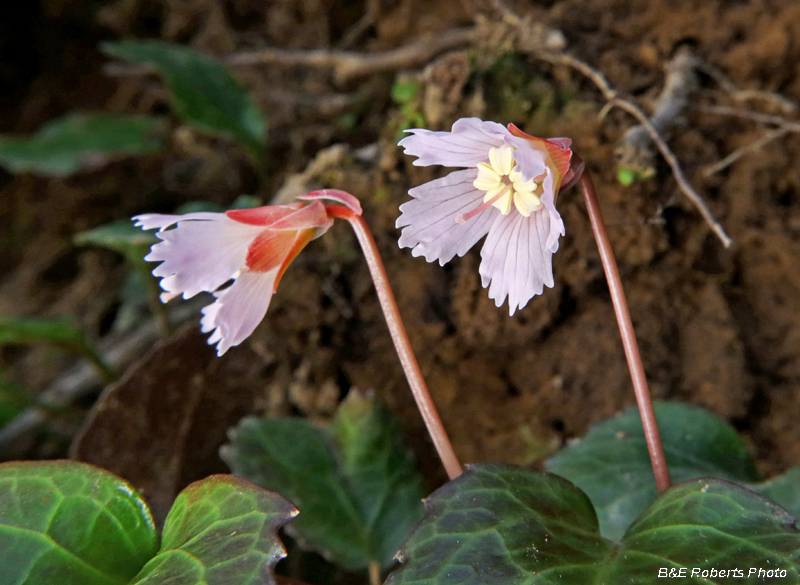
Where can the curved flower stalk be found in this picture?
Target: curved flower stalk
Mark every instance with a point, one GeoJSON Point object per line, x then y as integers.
{"type": "Point", "coordinates": [508, 191]}
{"type": "Point", "coordinates": [252, 246]}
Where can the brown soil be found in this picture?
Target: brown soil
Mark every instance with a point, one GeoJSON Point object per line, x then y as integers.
{"type": "Point", "coordinates": [718, 328]}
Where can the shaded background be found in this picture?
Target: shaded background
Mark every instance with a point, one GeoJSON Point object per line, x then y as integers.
{"type": "Point", "coordinates": [717, 328]}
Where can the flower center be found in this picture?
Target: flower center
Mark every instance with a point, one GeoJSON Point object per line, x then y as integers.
{"type": "Point", "coordinates": [503, 183]}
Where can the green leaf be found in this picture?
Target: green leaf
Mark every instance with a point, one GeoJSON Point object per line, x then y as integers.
{"type": "Point", "coordinates": [81, 141]}
{"type": "Point", "coordinates": [293, 458]}
{"type": "Point", "coordinates": [13, 400]}
{"type": "Point", "coordinates": [134, 243]}
{"type": "Point", "coordinates": [507, 525]}
{"type": "Point", "coordinates": [124, 237]}
{"type": "Point", "coordinates": [120, 236]}
{"type": "Point", "coordinates": [195, 206]}
{"type": "Point", "coordinates": [59, 331]}
{"type": "Point", "coordinates": [612, 466]}
{"type": "Point", "coordinates": [628, 176]}
{"type": "Point", "coordinates": [220, 531]}
{"type": "Point", "coordinates": [246, 202]}
{"type": "Point", "coordinates": [30, 330]}
{"type": "Point", "coordinates": [241, 202]}
{"type": "Point", "coordinates": [709, 523]}
{"type": "Point", "coordinates": [380, 472]}
{"type": "Point", "coordinates": [72, 524]}
{"type": "Point", "coordinates": [625, 176]}
{"type": "Point", "coordinates": [355, 483]}
{"type": "Point", "coordinates": [204, 94]}
{"type": "Point", "coordinates": [404, 92]}
{"type": "Point", "coordinates": [783, 490]}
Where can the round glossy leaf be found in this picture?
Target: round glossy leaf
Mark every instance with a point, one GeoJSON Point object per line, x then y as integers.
{"type": "Point", "coordinates": [506, 525]}
{"type": "Point", "coordinates": [356, 483]}
{"type": "Point", "coordinates": [220, 531]}
{"type": "Point", "coordinates": [69, 523]}
{"type": "Point", "coordinates": [612, 466]}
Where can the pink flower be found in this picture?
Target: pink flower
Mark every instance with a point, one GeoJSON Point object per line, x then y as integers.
{"type": "Point", "coordinates": [252, 246]}
{"type": "Point", "coordinates": [508, 191]}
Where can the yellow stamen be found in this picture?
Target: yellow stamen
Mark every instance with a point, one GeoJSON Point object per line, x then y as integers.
{"type": "Point", "coordinates": [503, 184]}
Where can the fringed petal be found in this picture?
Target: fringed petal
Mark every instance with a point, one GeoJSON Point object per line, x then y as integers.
{"type": "Point", "coordinates": [200, 255]}
{"type": "Point", "coordinates": [557, 156]}
{"type": "Point", "coordinates": [531, 162]}
{"type": "Point", "coordinates": [515, 260]}
{"type": "Point", "coordinates": [517, 255]}
{"type": "Point", "coordinates": [150, 221]}
{"type": "Point", "coordinates": [562, 143]}
{"type": "Point", "coordinates": [465, 146]}
{"type": "Point", "coordinates": [253, 246]}
{"type": "Point", "coordinates": [429, 220]}
{"type": "Point", "coordinates": [238, 309]}
{"type": "Point", "coordinates": [550, 187]}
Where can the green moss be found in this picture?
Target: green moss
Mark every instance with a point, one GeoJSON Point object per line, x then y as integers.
{"type": "Point", "coordinates": [515, 93]}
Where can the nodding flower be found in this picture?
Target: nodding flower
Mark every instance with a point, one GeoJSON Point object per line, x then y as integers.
{"type": "Point", "coordinates": [251, 246]}
{"type": "Point", "coordinates": [507, 190]}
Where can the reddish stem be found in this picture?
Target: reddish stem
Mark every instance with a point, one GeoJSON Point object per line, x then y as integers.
{"type": "Point", "coordinates": [403, 347]}
{"type": "Point", "coordinates": [651, 434]}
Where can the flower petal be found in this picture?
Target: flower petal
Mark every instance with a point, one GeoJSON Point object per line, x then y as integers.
{"type": "Point", "coordinates": [277, 249]}
{"type": "Point", "coordinates": [515, 260]}
{"type": "Point", "coordinates": [562, 143]}
{"type": "Point", "coordinates": [238, 309]}
{"type": "Point", "coordinates": [557, 155]}
{"type": "Point", "coordinates": [149, 221]}
{"type": "Point", "coordinates": [465, 146]}
{"type": "Point", "coordinates": [200, 255]}
{"type": "Point", "coordinates": [269, 249]}
{"type": "Point", "coordinates": [549, 199]}
{"type": "Point", "coordinates": [430, 218]}
{"type": "Point", "coordinates": [531, 161]}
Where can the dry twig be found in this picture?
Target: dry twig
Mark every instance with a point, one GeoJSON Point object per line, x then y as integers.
{"type": "Point", "coordinates": [614, 100]}
{"type": "Point", "coordinates": [740, 152]}
{"type": "Point", "coordinates": [635, 150]}
{"type": "Point", "coordinates": [794, 126]}
{"type": "Point", "coordinates": [371, 16]}
{"type": "Point", "coordinates": [346, 65]}
{"type": "Point", "coordinates": [746, 95]}
{"type": "Point", "coordinates": [784, 127]}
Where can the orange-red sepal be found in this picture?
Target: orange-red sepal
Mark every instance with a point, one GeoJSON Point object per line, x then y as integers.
{"type": "Point", "coordinates": [265, 216]}
{"type": "Point", "coordinates": [559, 157]}
{"type": "Point", "coordinates": [276, 249]}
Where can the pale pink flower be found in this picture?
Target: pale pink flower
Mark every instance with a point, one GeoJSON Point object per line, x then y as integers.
{"type": "Point", "coordinates": [252, 246]}
{"type": "Point", "coordinates": [508, 191]}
